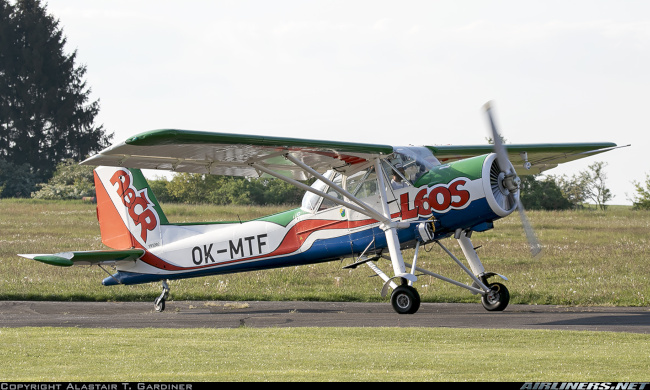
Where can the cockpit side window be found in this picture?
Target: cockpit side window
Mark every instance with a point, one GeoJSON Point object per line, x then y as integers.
{"type": "Point", "coordinates": [327, 203]}
{"type": "Point", "coordinates": [310, 200]}
{"type": "Point", "coordinates": [363, 184]}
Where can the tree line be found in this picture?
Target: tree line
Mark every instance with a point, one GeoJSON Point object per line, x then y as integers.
{"type": "Point", "coordinates": [74, 181]}
{"type": "Point", "coordinates": [564, 192]}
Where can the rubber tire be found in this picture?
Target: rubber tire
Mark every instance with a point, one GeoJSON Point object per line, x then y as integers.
{"type": "Point", "coordinates": [159, 305]}
{"type": "Point", "coordinates": [405, 300]}
{"type": "Point", "coordinates": [500, 299]}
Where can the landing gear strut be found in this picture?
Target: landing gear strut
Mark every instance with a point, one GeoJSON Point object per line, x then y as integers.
{"type": "Point", "coordinates": [494, 296]}
{"type": "Point", "coordinates": [159, 303]}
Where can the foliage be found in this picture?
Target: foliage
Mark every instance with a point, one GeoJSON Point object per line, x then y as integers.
{"type": "Point", "coordinates": [45, 112]}
{"type": "Point", "coordinates": [70, 181]}
{"type": "Point", "coordinates": [641, 200]}
{"type": "Point", "coordinates": [224, 190]}
{"type": "Point", "coordinates": [543, 194]}
{"type": "Point", "coordinates": [595, 188]}
{"type": "Point", "coordinates": [16, 181]}
{"type": "Point", "coordinates": [74, 181]}
{"type": "Point", "coordinates": [578, 189]}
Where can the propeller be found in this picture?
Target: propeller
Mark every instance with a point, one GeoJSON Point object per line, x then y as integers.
{"type": "Point", "coordinates": [511, 182]}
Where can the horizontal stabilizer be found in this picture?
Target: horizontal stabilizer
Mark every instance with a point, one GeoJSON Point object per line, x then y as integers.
{"type": "Point", "coordinates": [66, 259]}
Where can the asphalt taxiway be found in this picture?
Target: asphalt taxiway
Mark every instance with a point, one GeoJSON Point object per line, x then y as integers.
{"type": "Point", "coordinates": [220, 314]}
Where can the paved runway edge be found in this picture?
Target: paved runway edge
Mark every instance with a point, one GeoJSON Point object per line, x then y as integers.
{"type": "Point", "coordinates": [258, 314]}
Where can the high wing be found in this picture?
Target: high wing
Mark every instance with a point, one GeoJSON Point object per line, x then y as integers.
{"type": "Point", "coordinates": [234, 154]}
{"type": "Point", "coordinates": [541, 157]}
{"type": "Point", "coordinates": [243, 155]}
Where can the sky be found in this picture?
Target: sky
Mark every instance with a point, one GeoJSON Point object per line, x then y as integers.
{"type": "Point", "coordinates": [387, 72]}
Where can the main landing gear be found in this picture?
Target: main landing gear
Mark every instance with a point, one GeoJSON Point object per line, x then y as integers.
{"type": "Point", "coordinates": [405, 298]}
{"type": "Point", "coordinates": [159, 303]}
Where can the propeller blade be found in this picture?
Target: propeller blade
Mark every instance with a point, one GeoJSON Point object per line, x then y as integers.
{"type": "Point", "coordinates": [513, 184]}
{"type": "Point", "coordinates": [533, 242]}
{"type": "Point", "coordinates": [499, 149]}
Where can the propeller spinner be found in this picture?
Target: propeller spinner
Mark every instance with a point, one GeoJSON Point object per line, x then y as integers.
{"type": "Point", "coordinates": [511, 182]}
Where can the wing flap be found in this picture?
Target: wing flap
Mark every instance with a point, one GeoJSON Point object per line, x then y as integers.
{"type": "Point", "coordinates": [67, 259]}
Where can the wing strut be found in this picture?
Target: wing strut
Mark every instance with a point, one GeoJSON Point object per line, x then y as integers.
{"type": "Point", "coordinates": [305, 187]}
{"type": "Point", "coordinates": [369, 211]}
{"type": "Point", "coordinates": [387, 225]}
{"type": "Point", "coordinates": [360, 206]}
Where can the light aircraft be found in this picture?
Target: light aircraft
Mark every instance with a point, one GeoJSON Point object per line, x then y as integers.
{"type": "Point", "coordinates": [369, 202]}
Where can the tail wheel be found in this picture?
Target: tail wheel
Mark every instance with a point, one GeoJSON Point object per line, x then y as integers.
{"type": "Point", "coordinates": [159, 304]}
{"type": "Point", "coordinates": [497, 298]}
{"type": "Point", "coordinates": [405, 300]}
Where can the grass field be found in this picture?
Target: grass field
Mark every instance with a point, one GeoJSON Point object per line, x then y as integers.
{"type": "Point", "coordinates": [590, 258]}
{"type": "Point", "coordinates": [320, 354]}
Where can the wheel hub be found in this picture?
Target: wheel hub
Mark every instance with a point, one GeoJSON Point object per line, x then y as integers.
{"type": "Point", "coordinates": [403, 301]}
{"type": "Point", "coordinates": [493, 296]}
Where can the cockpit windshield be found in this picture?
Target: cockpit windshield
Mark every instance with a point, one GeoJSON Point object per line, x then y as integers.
{"type": "Point", "coordinates": [416, 161]}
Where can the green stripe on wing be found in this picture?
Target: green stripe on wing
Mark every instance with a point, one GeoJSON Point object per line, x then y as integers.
{"type": "Point", "coordinates": [175, 137]}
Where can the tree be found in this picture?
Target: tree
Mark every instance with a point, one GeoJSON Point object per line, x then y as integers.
{"type": "Point", "coordinates": [587, 185]}
{"type": "Point", "coordinates": [70, 181]}
{"type": "Point", "coordinates": [641, 200]}
{"type": "Point", "coordinates": [45, 112]}
{"type": "Point", "coordinates": [16, 181]}
{"type": "Point", "coordinates": [224, 190]}
{"type": "Point", "coordinates": [595, 188]}
{"type": "Point", "coordinates": [191, 188]}
{"type": "Point", "coordinates": [543, 194]}
{"type": "Point", "coordinates": [573, 188]}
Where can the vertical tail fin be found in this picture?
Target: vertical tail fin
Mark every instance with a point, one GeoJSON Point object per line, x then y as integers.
{"type": "Point", "coordinates": [128, 212]}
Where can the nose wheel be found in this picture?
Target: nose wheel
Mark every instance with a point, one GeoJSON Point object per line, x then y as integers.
{"type": "Point", "coordinates": [159, 303]}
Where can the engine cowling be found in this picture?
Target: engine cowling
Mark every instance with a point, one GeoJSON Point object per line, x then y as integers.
{"type": "Point", "coordinates": [465, 194]}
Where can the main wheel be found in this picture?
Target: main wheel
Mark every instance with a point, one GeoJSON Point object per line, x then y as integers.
{"type": "Point", "coordinates": [497, 299]}
{"type": "Point", "coordinates": [405, 300]}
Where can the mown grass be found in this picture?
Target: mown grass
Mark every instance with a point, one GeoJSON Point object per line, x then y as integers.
{"type": "Point", "coordinates": [590, 258]}
{"type": "Point", "coordinates": [322, 354]}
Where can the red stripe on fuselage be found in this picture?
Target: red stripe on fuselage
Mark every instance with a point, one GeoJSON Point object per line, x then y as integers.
{"type": "Point", "coordinates": [292, 242]}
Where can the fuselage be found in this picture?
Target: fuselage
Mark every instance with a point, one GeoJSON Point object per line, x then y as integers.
{"type": "Point", "coordinates": [446, 197]}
